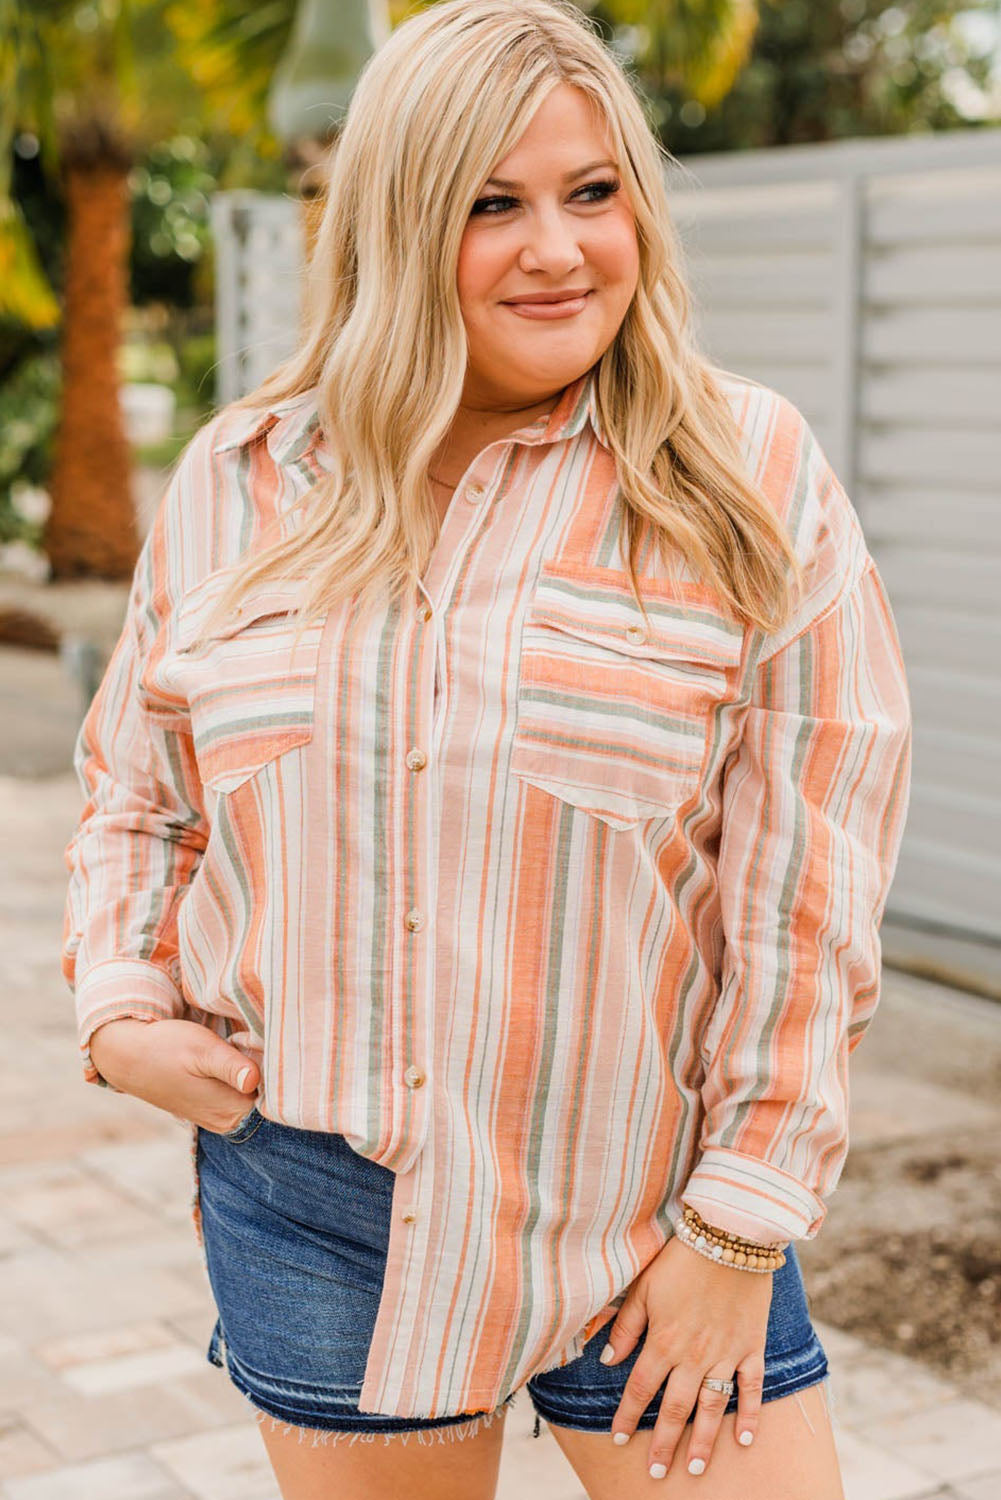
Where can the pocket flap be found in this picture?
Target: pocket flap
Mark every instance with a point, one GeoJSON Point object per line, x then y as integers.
{"type": "Point", "coordinates": [606, 613]}
{"type": "Point", "coordinates": [195, 609]}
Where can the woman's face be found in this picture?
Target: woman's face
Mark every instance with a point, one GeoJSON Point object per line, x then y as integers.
{"type": "Point", "coordinates": [551, 227]}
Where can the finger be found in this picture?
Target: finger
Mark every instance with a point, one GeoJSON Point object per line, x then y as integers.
{"type": "Point", "coordinates": [645, 1380]}
{"type": "Point", "coordinates": [709, 1409]}
{"type": "Point", "coordinates": [750, 1382]}
{"type": "Point", "coordinates": [217, 1059]}
{"type": "Point", "coordinates": [679, 1398]}
{"type": "Point", "coordinates": [625, 1331]}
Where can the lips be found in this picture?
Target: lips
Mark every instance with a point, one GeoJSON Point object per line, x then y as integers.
{"type": "Point", "coordinates": [547, 299]}
{"type": "Point", "coordinates": [549, 311]}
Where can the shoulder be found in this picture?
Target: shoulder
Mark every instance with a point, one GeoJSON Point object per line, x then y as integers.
{"type": "Point", "coordinates": [237, 427]}
{"type": "Point", "coordinates": [221, 493]}
{"type": "Point", "coordinates": [787, 462]}
{"type": "Point", "coordinates": [781, 451]}
{"type": "Point", "coordinates": [235, 451]}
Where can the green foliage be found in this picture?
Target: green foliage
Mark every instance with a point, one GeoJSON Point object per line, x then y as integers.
{"type": "Point", "coordinates": [831, 71]}
{"type": "Point", "coordinates": [696, 46]}
{"type": "Point", "coordinates": [29, 404]}
{"type": "Point", "coordinates": [171, 188]}
{"type": "Point", "coordinates": [231, 50]}
{"type": "Point", "coordinates": [195, 384]}
{"type": "Point", "coordinates": [25, 295]}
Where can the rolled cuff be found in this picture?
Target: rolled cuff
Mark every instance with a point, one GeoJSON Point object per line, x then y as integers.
{"type": "Point", "coordinates": [752, 1198]}
{"type": "Point", "coordinates": [118, 989]}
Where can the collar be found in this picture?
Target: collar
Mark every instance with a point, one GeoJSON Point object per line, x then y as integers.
{"type": "Point", "coordinates": [292, 427]}
{"type": "Point", "coordinates": [577, 406]}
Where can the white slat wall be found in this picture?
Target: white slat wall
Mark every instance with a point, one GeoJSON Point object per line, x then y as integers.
{"type": "Point", "coordinates": [258, 277]}
{"type": "Point", "coordinates": [862, 279]}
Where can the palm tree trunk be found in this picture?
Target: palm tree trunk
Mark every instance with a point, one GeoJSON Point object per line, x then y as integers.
{"type": "Point", "coordinates": [91, 529]}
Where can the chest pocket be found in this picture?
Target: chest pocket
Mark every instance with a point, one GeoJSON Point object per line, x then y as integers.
{"type": "Point", "coordinates": [249, 685]}
{"type": "Point", "coordinates": [614, 716]}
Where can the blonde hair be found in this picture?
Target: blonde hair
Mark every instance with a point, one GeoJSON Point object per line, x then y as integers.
{"type": "Point", "coordinates": [445, 98]}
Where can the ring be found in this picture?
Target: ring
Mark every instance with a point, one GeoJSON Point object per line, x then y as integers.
{"type": "Point", "coordinates": [714, 1383]}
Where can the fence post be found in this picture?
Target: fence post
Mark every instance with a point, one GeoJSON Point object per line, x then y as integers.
{"type": "Point", "coordinates": [846, 318]}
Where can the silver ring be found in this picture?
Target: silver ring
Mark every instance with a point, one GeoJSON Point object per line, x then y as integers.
{"type": "Point", "coordinates": [714, 1383]}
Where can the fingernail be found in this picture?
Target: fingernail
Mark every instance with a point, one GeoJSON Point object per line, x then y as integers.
{"type": "Point", "coordinates": [241, 1078]}
{"type": "Point", "coordinates": [620, 1438]}
{"type": "Point", "coordinates": [746, 1437]}
{"type": "Point", "coordinates": [658, 1471]}
{"type": "Point", "coordinates": [607, 1354]}
{"type": "Point", "coordinates": [697, 1466]}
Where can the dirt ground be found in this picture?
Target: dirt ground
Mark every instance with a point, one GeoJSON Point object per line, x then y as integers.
{"type": "Point", "coordinates": [909, 1256]}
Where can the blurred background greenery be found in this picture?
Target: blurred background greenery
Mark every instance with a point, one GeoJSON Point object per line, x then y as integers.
{"type": "Point", "coordinates": [152, 106]}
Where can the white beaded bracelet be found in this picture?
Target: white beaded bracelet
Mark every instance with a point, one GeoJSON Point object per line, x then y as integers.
{"type": "Point", "coordinates": [699, 1243]}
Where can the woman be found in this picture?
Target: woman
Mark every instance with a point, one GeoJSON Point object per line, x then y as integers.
{"type": "Point", "coordinates": [498, 782]}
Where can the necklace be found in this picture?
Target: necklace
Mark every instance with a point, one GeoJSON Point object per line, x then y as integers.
{"type": "Point", "coordinates": [442, 482]}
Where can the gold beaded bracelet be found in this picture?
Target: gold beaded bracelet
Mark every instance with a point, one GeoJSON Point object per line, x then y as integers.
{"type": "Point", "coordinates": [726, 1248]}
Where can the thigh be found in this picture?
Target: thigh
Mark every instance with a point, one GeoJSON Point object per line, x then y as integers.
{"type": "Point", "coordinates": [792, 1456]}
{"type": "Point", "coordinates": [431, 1465]}
{"type": "Point", "coordinates": [296, 1228]}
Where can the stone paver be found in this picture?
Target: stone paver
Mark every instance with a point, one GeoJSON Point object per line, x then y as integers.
{"type": "Point", "coordinates": [956, 1441]}
{"type": "Point", "coordinates": [228, 1464]}
{"type": "Point", "coordinates": [987, 1487]}
{"type": "Point", "coordinates": [134, 1476]}
{"type": "Point", "coordinates": [106, 1311]}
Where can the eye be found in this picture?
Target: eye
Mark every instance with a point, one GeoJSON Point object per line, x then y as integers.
{"type": "Point", "coordinates": [486, 207]}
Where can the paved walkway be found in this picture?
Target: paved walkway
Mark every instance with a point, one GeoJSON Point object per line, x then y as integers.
{"type": "Point", "coordinates": [105, 1309]}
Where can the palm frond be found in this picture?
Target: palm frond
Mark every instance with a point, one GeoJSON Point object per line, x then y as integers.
{"type": "Point", "coordinates": [25, 294]}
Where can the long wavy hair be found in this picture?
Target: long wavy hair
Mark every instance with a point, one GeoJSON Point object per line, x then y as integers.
{"type": "Point", "coordinates": [445, 98]}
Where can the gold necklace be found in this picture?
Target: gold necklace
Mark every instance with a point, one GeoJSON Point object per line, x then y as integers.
{"type": "Point", "coordinates": [441, 481]}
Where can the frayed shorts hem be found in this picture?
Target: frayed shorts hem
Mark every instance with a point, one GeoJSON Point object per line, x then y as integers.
{"type": "Point", "coordinates": [328, 1427]}
{"type": "Point", "coordinates": [445, 1432]}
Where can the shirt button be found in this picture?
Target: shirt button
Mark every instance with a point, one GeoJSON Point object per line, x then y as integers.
{"type": "Point", "coordinates": [416, 760]}
{"type": "Point", "coordinates": [424, 612]}
{"type": "Point", "coordinates": [409, 1217]}
{"type": "Point", "coordinates": [475, 492]}
{"type": "Point", "coordinates": [415, 919]}
{"type": "Point", "coordinates": [636, 633]}
{"type": "Point", "coordinates": [413, 1078]}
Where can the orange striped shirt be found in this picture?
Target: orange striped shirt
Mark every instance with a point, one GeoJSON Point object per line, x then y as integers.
{"type": "Point", "coordinates": [563, 920]}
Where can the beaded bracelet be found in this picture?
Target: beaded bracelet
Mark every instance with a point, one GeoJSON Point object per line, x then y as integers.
{"type": "Point", "coordinates": [726, 1248]}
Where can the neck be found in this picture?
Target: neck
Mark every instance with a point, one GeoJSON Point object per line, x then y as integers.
{"type": "Point", "coordinates": [474, 427]}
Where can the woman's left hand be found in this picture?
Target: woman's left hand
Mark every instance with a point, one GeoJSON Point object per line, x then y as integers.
{"type": "Point", "coordinates": [700, 1319]}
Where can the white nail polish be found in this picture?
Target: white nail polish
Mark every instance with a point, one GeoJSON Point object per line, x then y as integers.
{"type": "Point", "coordinates": [620, 1438]}
{"type": "Point", "coordinates": [657, 1471]}
{"type": "Point", "coordinates": [697, 1466]}
{"type": "Point", "coordinates": [241, 1078]}
{"type": "Point", "coordinates": [607, 1354]}
{"type": "Point", "coordinates": [746, 1437]}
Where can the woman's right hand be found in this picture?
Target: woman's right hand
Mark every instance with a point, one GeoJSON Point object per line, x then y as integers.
{"type": "Point", "coordinates": [178, 1066]}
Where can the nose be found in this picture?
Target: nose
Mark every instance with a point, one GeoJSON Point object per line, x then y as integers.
{"type": "Point", "coordinates": [551, 244]}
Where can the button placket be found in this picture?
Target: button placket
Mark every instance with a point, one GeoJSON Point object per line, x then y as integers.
{"type": "Point", "coordinates": [416, 759]}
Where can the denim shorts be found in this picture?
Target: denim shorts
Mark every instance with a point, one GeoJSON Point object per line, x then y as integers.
{"type": "Point", "coordinates": [295, 1226]}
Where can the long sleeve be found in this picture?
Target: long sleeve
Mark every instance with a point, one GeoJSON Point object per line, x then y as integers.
{"type": "Point", "coordinates": [814, 802]}
{"type": "Point", "coordinates": [142, 830]}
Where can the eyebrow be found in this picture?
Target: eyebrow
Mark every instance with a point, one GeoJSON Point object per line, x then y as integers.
{"type": "Point", "coordinates": [506, 182]}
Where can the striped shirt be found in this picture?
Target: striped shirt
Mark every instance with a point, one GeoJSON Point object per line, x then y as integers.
{"type": "Point", "coordinates": [563, 919]}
